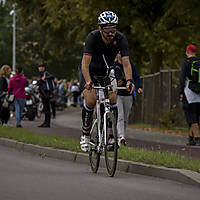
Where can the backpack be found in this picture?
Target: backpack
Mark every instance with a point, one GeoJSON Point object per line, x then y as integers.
{"type": "Point", "coordinates": [194, 81]}
{"type": "Point", "coordinates": [48, 83]}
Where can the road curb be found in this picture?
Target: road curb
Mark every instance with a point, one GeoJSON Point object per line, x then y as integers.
{"type": "Point", "coordinates": [179, 175]}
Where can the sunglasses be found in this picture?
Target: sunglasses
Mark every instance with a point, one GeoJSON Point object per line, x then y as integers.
{"type": "Point", "coordinates": [109, 30]}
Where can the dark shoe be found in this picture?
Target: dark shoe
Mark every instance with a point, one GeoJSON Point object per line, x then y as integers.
{"type": "Point", "coordinates": [122, 141]}
{"type": "Point", "coordinates": [44, 126]}
{"type": "Point", "coordinates": [197, 140]}
{"type": "Point", "coordinates": [191, 141]}
{"type": "Point", "coordinates": [19, 126]}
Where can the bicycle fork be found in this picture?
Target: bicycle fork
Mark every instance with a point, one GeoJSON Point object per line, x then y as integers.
{"type": "Point", "coordinates": [100, 134]}
{"type": "Point", "coordinates": [105, 124]}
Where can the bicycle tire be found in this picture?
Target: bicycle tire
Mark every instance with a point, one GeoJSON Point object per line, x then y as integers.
{"type": "Point", "coordinates": [111, 151]}
{"type": "Point", "coordinates": [94, 155]}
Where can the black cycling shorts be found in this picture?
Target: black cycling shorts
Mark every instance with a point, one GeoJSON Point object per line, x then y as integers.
{"type": "Point", "coordinates": [192, 112]}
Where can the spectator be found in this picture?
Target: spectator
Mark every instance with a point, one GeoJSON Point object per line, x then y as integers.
{"type": "Point", "coordinates": [67, 92]}
{"type": "Point", "coordinates": [16, 86]}
{"type": "Point", "coordinates": [46, 94]}
{"type": "Point", "coordinates": [124, 98]}
{"type": "Point", "coordinates": [75, 92]}
{"type": "Point", "coordinates": [5, 72]}
{"type": "Point", "coordinates": [61, 92]}
{"type": "Point", "coordinates": [190, 100]}
{"type": "Point", "coordinates": [53, 100]}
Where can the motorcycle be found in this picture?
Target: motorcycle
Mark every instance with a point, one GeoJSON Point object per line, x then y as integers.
{"type": "Point", "coordinates": [33, 106]}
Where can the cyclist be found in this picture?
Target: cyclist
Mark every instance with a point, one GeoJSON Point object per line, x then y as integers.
{"type": "Point", "coordinates": [101, 48]}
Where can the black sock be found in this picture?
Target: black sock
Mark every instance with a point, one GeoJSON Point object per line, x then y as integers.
{"type": "Point", "coordinates": [87, 117]}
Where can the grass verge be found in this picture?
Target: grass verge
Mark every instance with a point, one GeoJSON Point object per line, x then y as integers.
{"type": "Point", "coordinates": [171, 160]}
{"type": "Point", "coordinates": [172, 130]}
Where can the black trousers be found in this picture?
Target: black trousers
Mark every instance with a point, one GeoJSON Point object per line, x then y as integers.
{"type": "Point", "coordinates": [4, 114]}
{"type": "Point", "coordinates": [75, 97]}
{"type": "Point", "coordinates": [53, 108]}
{"type": "Point", "coordinates": [192, 112]}
{"type": "Point", "coordinates": [47, 110]}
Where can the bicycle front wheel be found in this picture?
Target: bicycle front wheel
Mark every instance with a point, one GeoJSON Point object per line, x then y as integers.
{"type": "Point", "coordinates": [94, 154]}
{"type": "Point", "coordinates": [111, 146]}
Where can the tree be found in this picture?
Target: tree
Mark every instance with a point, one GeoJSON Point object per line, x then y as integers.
{"type": "Point", "coordinates": [5, 35]}
{"type": "Point", "coordinates": [157, 30]}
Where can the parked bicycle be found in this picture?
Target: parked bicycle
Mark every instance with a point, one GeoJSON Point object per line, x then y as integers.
{"type": "Point", "coordinates": [104, 120]}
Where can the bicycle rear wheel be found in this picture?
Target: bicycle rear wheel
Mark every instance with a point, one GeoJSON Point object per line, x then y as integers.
{"type": "Point", "coordinates": [111, 148]}
{"type": "Point", "coordinates": [94, 154]}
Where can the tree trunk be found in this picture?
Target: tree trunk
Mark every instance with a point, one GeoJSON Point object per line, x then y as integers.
{"type": "Point", "coordinates": [155, 61]}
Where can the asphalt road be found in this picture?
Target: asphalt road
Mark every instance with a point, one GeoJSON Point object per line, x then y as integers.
{"type": "Point", "coordinates": [29, 177]}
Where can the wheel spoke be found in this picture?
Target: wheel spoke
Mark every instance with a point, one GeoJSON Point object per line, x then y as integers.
{"type": "Point", "coordinates": [111, 146]}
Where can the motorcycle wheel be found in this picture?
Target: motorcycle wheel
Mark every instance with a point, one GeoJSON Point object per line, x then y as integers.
{"type": "Point", "coordinates": [31, 113]}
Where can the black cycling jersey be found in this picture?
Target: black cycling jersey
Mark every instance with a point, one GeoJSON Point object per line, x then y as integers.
{"type": "Point", "coordinates": [96, 47]}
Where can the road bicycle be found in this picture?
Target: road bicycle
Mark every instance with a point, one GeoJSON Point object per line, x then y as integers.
{"type": "Point", "coordinates": [104, 122]}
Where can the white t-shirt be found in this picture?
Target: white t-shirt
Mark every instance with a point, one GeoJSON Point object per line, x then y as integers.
{"type": "Point", "coordinates": [191, 96]}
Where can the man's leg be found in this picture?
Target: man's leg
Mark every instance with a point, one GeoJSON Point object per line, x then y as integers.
{"type": "Point", "coordinates": [128, 101]}
{"type": "Point", "coordinates": [189, 119]}
{"type": "Point", "coordinates": [22, 102]}
{"type": "Point", "coordinates": [53, 108]}
{"type": "Point", "coordinates": [120, 121]}
{"type": "Point", "coordinates": [113, 103]}
{"type": "Point", "coordinates": [194, 128]}
{"type": "Point", "coordinates": [113, 108]}
{"type": "Point", "coordinates": [48, 120]}
{"type": "Point", "coordinates": [17, 112]}
{"type": "Point", "coordinates": [47, 113]}
{"type": "Point", "coordinates": [127, 104]}
{"type": "Point", "coordinates": [87, 116]}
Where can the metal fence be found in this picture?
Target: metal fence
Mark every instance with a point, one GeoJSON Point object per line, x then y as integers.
{"type": "Point", "coordinates": [159, 104]}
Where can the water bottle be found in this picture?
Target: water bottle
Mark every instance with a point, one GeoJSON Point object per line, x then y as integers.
{"type": "Point", "coordinates": [113, 79]}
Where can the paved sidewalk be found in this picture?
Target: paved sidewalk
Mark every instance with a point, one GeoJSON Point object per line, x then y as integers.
{"type": "Point", "coordinates": [156, 141]}
{"type": "Point", "coordinates": [72, 118]}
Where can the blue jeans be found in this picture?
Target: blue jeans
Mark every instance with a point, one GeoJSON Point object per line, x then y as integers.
{"type": "Point", "coordinates": [19, 106]}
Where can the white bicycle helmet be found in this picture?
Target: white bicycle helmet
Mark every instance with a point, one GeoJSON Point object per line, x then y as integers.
{"type": "Point", "coordinates": [107, 18]}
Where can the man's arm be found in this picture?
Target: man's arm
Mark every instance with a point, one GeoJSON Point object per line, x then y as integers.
{"type": "Point", "coordinates": [136, 78]}
{"type": "Point", "coordinates": [128, 72]}
{"type": "Point", "coordinates": [85, 68]}
{"type": "Point", "coordinates": [182, 79]}
{"type": "Point", "coordinates": [10, 86]}
{"type": "Point", "coordinates": [1, 85]}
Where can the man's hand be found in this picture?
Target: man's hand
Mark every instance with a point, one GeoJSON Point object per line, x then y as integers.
{"type": "Point", "coordinates": [140, 90]}
{"type": "Point", "coordinates": [130, 86]}
{"type": "Point", "coordinates": [89, 85]}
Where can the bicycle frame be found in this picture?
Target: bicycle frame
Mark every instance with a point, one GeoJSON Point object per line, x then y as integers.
{"type": "Point", "coordinates": [98, 120]}
{"type": "Point", "coordinates": [105, 101]}
{"type": "Point", "coordinates": [100, 130]}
